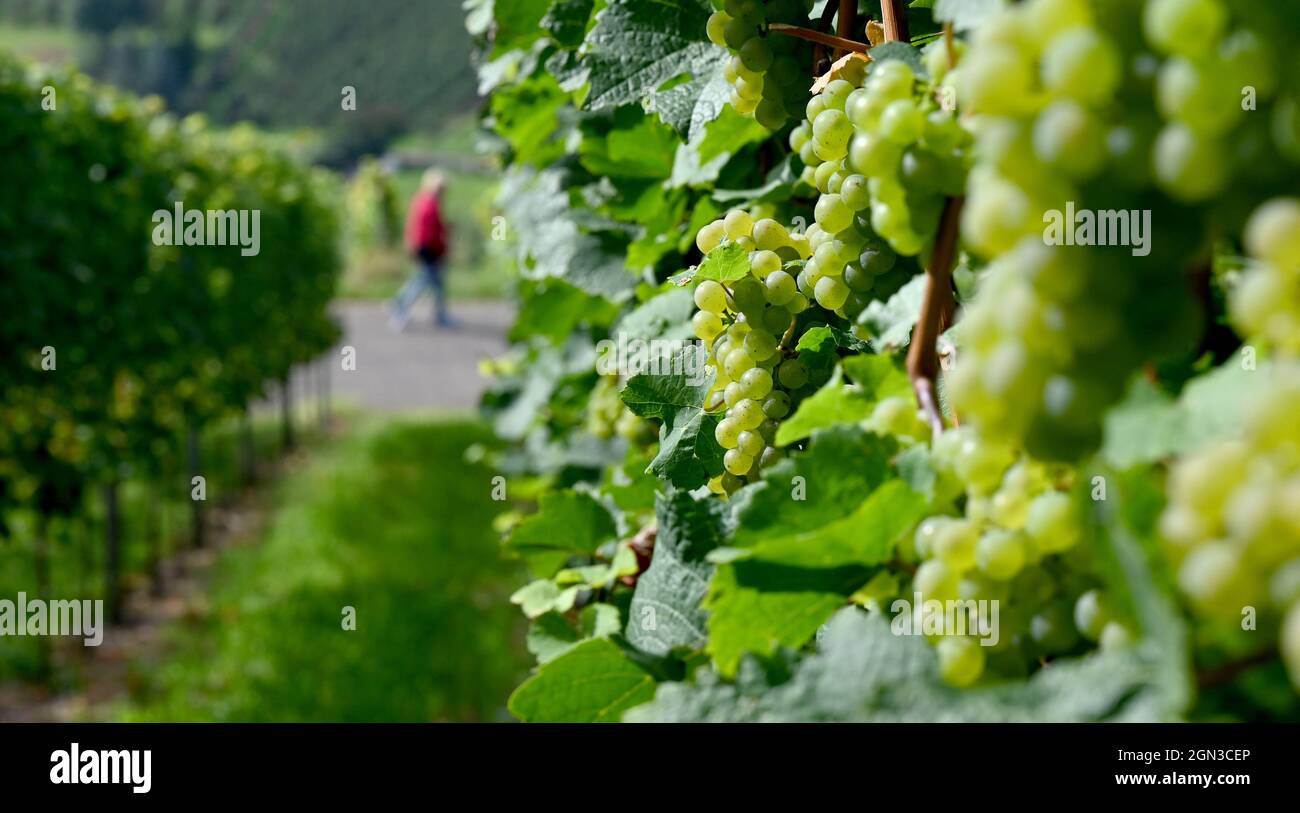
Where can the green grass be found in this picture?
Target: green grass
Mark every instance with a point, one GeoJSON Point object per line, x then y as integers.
{"type": "Point", "coordinates": [395, 523]}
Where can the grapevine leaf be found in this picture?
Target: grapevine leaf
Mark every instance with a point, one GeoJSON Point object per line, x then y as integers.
{"type": "Point", "coordinates": [890, 323]}
{"type": "Point", "coordinates": [688, 453]}
{"type": "Point", "coordinates": [665, 612]}
{"type": "Point", "coordinates": [835, 403]}
{"type": "Point", "coordinates": [552, 244]}
{"type": "Point", "coordinates": [756, 607]}
{"type": "Point", "coordinates": [553, 309]}
{"type": "Point", "coordinates": [726, 263]}
{"type": "Point", "coordinates": [567, 523]}
{"type": "Point", "coordinates": [567, 21]}
{"type": "Point", "coordinates": [865, 672]}
{"type": "Point", "coordinates": [1149, 425]}
{"type": "Point", "coordinates": [517, 23]}
{"type": "Point", "coordinates": [701, 159]}
{"type": "Point", "coordinates": [636, 48]}
{"type": "Point", "coordinates": [593, 682]}
{"type": "Point", "coordinates": [551, 635]}
{"type": "Point", "coordinates": [778, 186]}
{"type": "Point", "coordinates": [901, 51]}
{"type": "Point", "coordinates": [666, 316]}
{"type": "Point", "coordinates": [801, 495]}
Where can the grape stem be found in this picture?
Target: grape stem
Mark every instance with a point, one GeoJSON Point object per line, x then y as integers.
{"type": "Point", "coordinates": [818, 37]}
{"type": "Point", "coordinates": [895, 20]}
{"type": "Point", "coordinates": [937, 310]}
{"type": "Point", "coordinates": [1228, 672]}
{"type": "Point", "coordinates": [844, 24]}
{"type": "Point", "coordinates": [789, 334]}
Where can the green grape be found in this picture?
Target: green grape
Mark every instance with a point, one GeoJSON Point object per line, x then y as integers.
{"type": "Point", "coordinates": [1052, 628]}
{"type": "Point", "coordinates": [1068, 138]}
{"type": "Point", "coordinates": [756, 55]}
{"type": "Point", "coordinates": [1190, 167]}
{"type": "Point", "coordinates": [736, 362]}
{"type": "Point", "coordinates": [777, 318]}
{"type": "Point", "coordinates": [892, 79]}
{"type": "Point", "coordinates": [727, 433]}
{"type": "Point", "coordinates": [873, 155]}
{"type": "Point", "coordinates": [1082, 64]}
{"type": "Point", "coordinates": [715, 28]}
{"type": "Point", "coordinates": [770, 113]}
{"type": "Point", "coordinates": [764, 263]}
{"type": "Point", "coordinates": [815, 106]}
{"type": "Point", "coordinates": [757, 383]}
{"type": "Point", "coordinates": [961, 661]}
{"type": "Point", "coordinates": [1184, 27]}
{"type": "Point", "coordinates": [737, 31]}
{"type": "Point", "coordinates": [799, 136]}
{"type": "Point", "coordinates": [1000, 554]}
{"type": "Point", "coordinates": [831, 133]}
{"type": "Point", "coordinates": [711, 296]}
{"type": "Point", "coordinates": [1273, 232]}
{"type": "Point", "coordinates": [736, 462]}
{"type": "Point", "coordinates": [777, 405]}
{"type": "Point", "coordinates": [706, 326]}
{"type": "Point", "coordinates": [781, 288]}
{"type": "Point", "coordinates": [792, 374]}
{"type": "Point", "coordinates": [954, 545]}
{"type": "Point", "coordinates": [738, 223]}
{"type": "Point", "coordinates": [750, 444]}
{"type": "Point", "coordinates": [710, 236]}
{"type": "Point", "coordinates": [798, 304]}
{"type": "Point", "coordinates": [1091, 615]}
{"type": "Point", "coordinates": [1115, 636]}
{"type": "Point", "coordinates": [936, 581]}
{"type": "Point", "coordinates": [832, 214]}
{"type": "Point", "coordinates": [733, 393]}
{"type": "Point", "coordinates": [748, 295]}
{"type": "Point", "coordinates": [853, 191]}
{"type": "Point", "coordinates": [831, 292]}
{"type": "Point", "coordinates": [822, 176]}
{"type": "Point", "coordinates": [771, 455]}
{"type": "Point", "coordinates": [1052, 522]}
{"type": "Point", "coordinates": [901, 121]}
{"type": "Point", "coordinates": [748, 414]}
{"type": "Point", "coordinates": [858, 280]}
{"type": "Point", "coordinates": [770, 235]}
{"type": "Point", "coordinates": [760, 345]}
{"type": "Point", "coordinates": [836, 92]}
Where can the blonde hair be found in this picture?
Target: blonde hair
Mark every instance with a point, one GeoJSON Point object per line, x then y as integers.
{"type": "Point", "coordinates": [432, 181]}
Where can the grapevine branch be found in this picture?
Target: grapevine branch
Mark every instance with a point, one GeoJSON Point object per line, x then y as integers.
{"type": "Point", "coordinates": [844, 24]}
{"type": "Point", "coordinates": [937, 310]}
{"type": "Point", "coordinates": [819, 37]}
{"type": "Point", "coordinates": [895, 21]}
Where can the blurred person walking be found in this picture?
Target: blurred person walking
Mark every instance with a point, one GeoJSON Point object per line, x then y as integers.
{"type": "Point", "coordinates": [426, 240]}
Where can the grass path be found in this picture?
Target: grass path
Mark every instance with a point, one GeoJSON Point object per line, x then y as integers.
{"type": "Point", "coordinates": [391, 521]}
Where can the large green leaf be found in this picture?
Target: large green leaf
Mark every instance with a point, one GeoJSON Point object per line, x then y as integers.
{"type": "Point", "coordinates": [593, 682]}
{"type": "Point", "coordinates": [551, 242]}
{"type": "Point", "coordinates": [688, 453]}
{"type": "Point", "coordinates": [1149, 425]}
{"type": "Point", "coordinates": [567, 523]}
{"type": "Point", "coordinates": [665, 612]}
{"type": "Point", "coordinates": [864, 672]}
{"type": "Point", "coordinates": [636, 48]}
{"type": "Point", "coordinates": [890, 323]}
{"type": "Point", "coordinates": [727, 262]}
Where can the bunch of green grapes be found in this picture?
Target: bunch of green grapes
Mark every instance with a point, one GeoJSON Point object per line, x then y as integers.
{"type": "Point", "coordinates": [1233, 520]}
{"type": "Point", "coordinates": [887, 150]}
{"type": "Point", "coordinates": [1063, 109]}
{"type": "Point", "coordinates": [767, 73]}
{"type": "Point", "coordinates": [883, 157]}
{"type": "Point", "coordinates": [608, 416]}
{"type": "Point", "coordinates": [1266, 303]}
{"type": "Point", "coordinates": [749, 326]}
{"type": "Point", "coordinates": [1016, 541]}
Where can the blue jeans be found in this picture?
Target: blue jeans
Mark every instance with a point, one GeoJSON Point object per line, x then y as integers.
{"type": "Point", "coordinates": [428, 277]}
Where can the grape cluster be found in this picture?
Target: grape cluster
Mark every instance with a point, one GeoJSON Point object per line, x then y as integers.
{"type": "Point", "coordinates": [749, 327]}
{"type": "Point", "coordinates": [1016, 542]}
{"type": "Point", "coordinates": [1266, 303]}
{"type": "Point", "coordinates": [1233, 519]}
{"type": "Point", "coordinates": [884, 153]}
{"type": "Point", "coordinates": [766, 72]}
{"type": "Point", "coordinates": [1061, 323]}
{"type": "Point", "coordinates": [608, 416]}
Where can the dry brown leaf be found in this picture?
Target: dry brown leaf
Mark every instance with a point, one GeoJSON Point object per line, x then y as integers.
{"type": "Point", "coordinates": [836, 69]}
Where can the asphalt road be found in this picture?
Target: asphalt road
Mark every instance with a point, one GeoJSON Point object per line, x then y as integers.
{"type": "Point", "coordinates": [423, 367]}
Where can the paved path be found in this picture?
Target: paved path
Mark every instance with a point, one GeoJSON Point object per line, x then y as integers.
{"type": "Point", "coordinates": [423, 367]}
